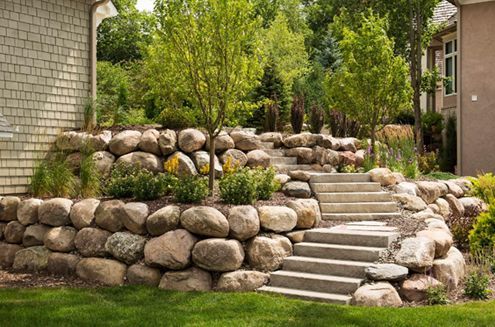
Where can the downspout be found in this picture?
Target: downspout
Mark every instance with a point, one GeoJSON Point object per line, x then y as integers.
{"type": "Point", "coordinates": [92, 46]}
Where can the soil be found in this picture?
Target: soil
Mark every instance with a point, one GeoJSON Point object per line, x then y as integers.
{"type": "Point", "coordinates": [11, 279]}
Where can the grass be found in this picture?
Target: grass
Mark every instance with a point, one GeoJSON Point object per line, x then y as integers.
{"type": "Point", "coordinates": [139, 306]}
{"type": "Point", "coordinates": [441, 175]}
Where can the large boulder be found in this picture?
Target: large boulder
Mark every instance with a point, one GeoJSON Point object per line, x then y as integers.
{"type": "Point", "coordinates": [258, 158]}
{"type": "Point", "coordinates": [406, 188]}
{"type": "Point", "coordinates": [386, 272]}
{"type": "Point", "coordinates": [8, 208]}
{"type": "Point", "coordinates": [145, 160]}
{"type": "Point", "coordinates": [416, 253]}
{"type": "Point", "coordinates": [451, 269]}
{"type": "Point", "coordinates": [223, 142]}
{"type": "Point", "coordinates": [306, 140]}
{"type": "Point", "coordinates": [277, 219]}
{"type": "Point", "coordinates": [236, 157]}
{"type": "Point", "coordinates": [186, 165]}
{"type": "Point", "coordinates": [380, 294]}
{"type": "Point", "coordinates": [163, 220]}
{"type": "Point", "coordinates": [297, 190]}
{"type": "Point", "coordinates": [191, 140]}
{"type": "Point", "coordinates": [244, 222]}
{"type": "Point", "coordinates": [103, 162]}
{"type": "Point", "coordinates": [60, 239]}
{"type": "Point", "coordinates": [328, 142]}
{"type": "Point", "coordinates": [171, 250]}
{"type": "Point", "coordinates": [326, 156]}
{"type": "Point", "coordinates": [149, 142]}
{"type": "Point", "coordinates": [272, 137]}
{"type": "Point", "coordinates": [242, 281]}
{"type": "Point", "coordinates": [443, 208]}
{"type": "Point", "coordinates": [349, 144]}
{"type": "Point", "coordinates": [267, 254]}
{"type": "Point", "coordinates": [410, 202]}
{"type": "Point", "coordinates": [70, 141]}
{"type": "Point", "coordinates": [454, 189]}
{"type": "Point", "coordinates": [201, 160]}
{"type": "Point", "coordinates": [472, 206]}
{"type": "Point", "coordinates": [104, 271]}
{"type": "Point", "coordinates": [90, 242]}
{"type": "Point", "coordinates": [55, 212]}
{"type": "Point", "coordinates": [205, 221]}
{"type": "Point", "coordinates": [307, 211]}
{"type": "Point", "coordinates": [27, 211]}
{"type": "Point", "coordinates": [192, 279]}
{"type": "Point", "coordinates": [83, 213]}
{"type": "Point", "coordinates": [99, 142]}
{"type": "Point", "coordinates": [138, 274]}
{"type": "Point", "coordinates": [415, 288]}
{"type": "Point", "coordinates": [34, 235]}
{"type": "Point", "coordinates": [108, 215]}
{"type": "Point", "coordinates": [32, 259]}
{"type": "Point", "coordinates": [303, 155]}
{"type": "Point", "coordinates": [218, 254]}
{"type": "Point", "coordinates": [134, 217]}
{"type": "Point", "coordinates": [245, 141]}
{"type": "Point", "coordinates": [384, 176]}
{"type": "Point", "coordinates": [14, 231]}
{"type": "Point", "coordinates": [455, 206]}
{"type": "Point", "coordinates": [430, 191]}
{"type": "Point", "coordinates": [62, 263]}
{"type": "Point", "coordinates": [443, 240]}
{"type": "Point", "coordinates": [126, 247]}
{"type": "Point", "coordinates": [167, 141]}
{"type": "Point", "coordinates": [299, 175]}
{"type": "Point", "coordinates": [124, 142]}
{"type": "Point", "coordinates": [7, 254]}
{"type": "Point", "coordinates": [347, 158]}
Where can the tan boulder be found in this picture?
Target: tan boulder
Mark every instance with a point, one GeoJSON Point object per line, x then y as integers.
{"type": "Point", "coordinates": [172, 250]}
{"type": "Point", "coordinates": [349, 144]}
{"type": "Point", "coordinates": [55, 212]}
{"type": "Point", "coordinates": [103, 161]}
{"type": "Point", "coordinates": [443, 240]}
{"type": "Point", "coordinates": [242, 281]}
{"type": "Point", "coordinates": [307, 211]}
{"type": "Point", "coordinates": [328, 142]}
{"type": "Point", "coordinates": [8, 208]}
{"type": "Point", "coordinates": [451, 269]}
{"type": "Point", "coordinates": [245, 141]}
{"type": "Point", "coordinates": [272, 137]}
{"type": "Point", "coordinates": [299, 175]}
{"type": "Point", "coordinates": [191, 140]}
{"type": "Point", "coordinates": [192, 279]}
{"type": "Point", "coordinates": [201, 159]}
{"type": "Point", "coordinates": [454, 189]}
{"type": "Point", "coordinates": [144, 160]}
{"type": "Point", "coordinates": [237, 157]}
{"type": "Point", "coordinates": [32, 259]}
{"type": "Point", "coordinates": [149, 142]}
{"type": "Point", "coordinates": [443, 208]}
{"type": "Point", "coordinates": [124, 142]}
{"type": "Point", "coordinates": [244, 222]}
{"type": "Point", "coordinates": [83, 213]}
{"type": "Point", "coordinates": [380, 294]}
{"type": "Point", "coordinates": [472, 206]}
{"type": "Point", "coordinates": [138, 274]}
{"type": "Point", "coordinates": [407, 188]}
{"type": "Point", "coordinates": [90, 242]}
{"type": "Point", "coordinates": [205, 221]}
{"type": "Point", "coordinates": [455, 206]}
{"type": "Point", "coordinates": [14, 231]}
{"type": "Point", "coordinates": [134, 217]}
{"type": "Point", "coordinates": [163, 220]}
{"type": "Point", "coordinates": [277, 218]}
{"type": "Point", "coordinates": [108, 215]}
{"type": "Point", "coordinates": [167, 141]}
{"type": "Point", "coordinates": [347, 158]}
{"type": "Point", "coordinates": [415, 288]}
{"type": "Point", "coordinates": [296, 236]}
{"type": "Point", "coordinates": [258, 158]}
{"type": "Point", "coordinates": [63, 264]}
{"type": "Point", "coordinates": [267, 254]}
{"type": "Point", "coordinates": [297, 190]}
{"type": "Point", "coordinates": [384, 176]}
{"type": "Point", "coordinates": [34, 235]}
{"type": "Point", "coordinates": [307, 140]}
{"type": "Point", "coordinates": [410, 202]}
{"type": "Point", "coordinates": [303, 155]}
{"type": "Point", "coordinates": [60, 239]}
{"type": "Point", "coordinates": [326, 156]}
{"type": "Point", "coordinates": [27, 211]}
{"type": "Point", "coordinates": [282, 179]}
{"type": "Point", "coordinates": [186, 165]}
{"type": "Point", "coordinates": [431, 191]}
{"type": "Point", "coordinates": [217, 254]}
{"type": "Point", "coordinates": [223, 142]}
{"type": "Point", "coordinates": [104, 271]}
{"type": "Point", "coordinates": [416, 253]}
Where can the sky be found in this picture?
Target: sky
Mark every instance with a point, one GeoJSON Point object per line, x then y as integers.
{"type": "Point", "coordinates": [145, 4]}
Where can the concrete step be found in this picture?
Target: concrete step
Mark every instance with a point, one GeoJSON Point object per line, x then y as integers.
{"type": "Point", "coordinates": [358, 207]}
{"type": "Point", "coordinates": [283, 160]}
{"type": "Point", "coordinates": [337, 251]}
{"type": "Point", "coordinates": [373, 228]}
{"type": "Point", "coordinates": [359, 216]}
{"type": "Point", "coordinates": [345, 268]}
{"type": "Point", "coordinates": [341, 178]}
{"type": "Point", "coordinates": [343, 235]}
{"type": "Point", "coordinates": [308, 295]}
{"type": "Point", "coordinates": [345, 187]}
{"type": "Point", "coordinates": [275, 152]}
{"type": "Point", "coordinates": [345, 197]}
{"type": "Point", "coordinates": [314, 282]}
{"type": "Point", "coordinates": [267, 145]}
{"type": "Point", "coordinates": [287, 168]}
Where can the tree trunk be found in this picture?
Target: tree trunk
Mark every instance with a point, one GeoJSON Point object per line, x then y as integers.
{"type": "Point", "coordinates": [211, 173]}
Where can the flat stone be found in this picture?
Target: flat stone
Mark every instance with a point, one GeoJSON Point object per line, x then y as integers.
{"type": "Point", "coordinates": [386, 272]}
{"type": "Point", "coordinates": [104, 271]}
{"type": "Point", "coordinates": [242, 281]}
{"type": "Point", "coordinates": [192, 279]}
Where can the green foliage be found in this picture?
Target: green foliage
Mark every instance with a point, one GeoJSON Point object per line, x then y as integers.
{"type": "Point", "coordinates": [432, 122]}
{"type": "Point", "coordinates": [191, 189]}
{"type": "Point", "coordinates": [448, 159]}
{"type": "Point", "coordinates": [428, 162]}
{"type": "Point", "coordinates": [121, 183]}
{"type": "Point", "coordinates": [460, 227]}
{"type": "Point", "coordinates": [53, 177]}
{"type": "Point", "coordinates": [437, 295]}
{"type": "Point", "coordinates": [89, 115]}
{"type": "Point", "coordinates": [148, 186]}
{"type": "Point", "coordinates": [476, 286]}
{"type": "Point", "coordinates": [371, 85]}
{"type": "Point", "coordinates": [316, 119]}
{"type": "Point", "coordinates": [482, 236]}
{"type": "Point", "coordinates": [238, 187]}
{"type": "Point", "coordinates": [430, 80]}
{"type": "Point", "coordinates": [441, 175]}
{"type": "Point", "coordinates": [135, 117]}
{"type": "Point", "coordinates": [40, 182]}
{"type": "Point", "coordinates": [347, 169]}
{"type": "Point", "coordinates": [265, 181]}
{"type": "Point", "coordinates": [178, 118]}
{"type": "Point", "coordinates": [297, 114]}
{"type": "Point", "coordinates": [90, 177]}
{"type": "Point", "coordinates": [483, 187]}
{"type": "Point", "coordinates": [399, 156]}
{"type": "Point", "coordinates": [272, 113]}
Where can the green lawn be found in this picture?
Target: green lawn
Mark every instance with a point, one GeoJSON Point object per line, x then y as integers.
{"type": "Point", "coordinates": [138, 306]}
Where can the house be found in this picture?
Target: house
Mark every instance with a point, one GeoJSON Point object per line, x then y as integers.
{"type": "Point", "coordinates": [464, 49]}
{"type": "Point", "coordinates": [47, 73]}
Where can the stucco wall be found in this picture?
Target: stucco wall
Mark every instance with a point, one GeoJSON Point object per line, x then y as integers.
{"type": "Point", "coordinates": [477, 137]}
{"type": "Point", "coordinates": [44, 79]}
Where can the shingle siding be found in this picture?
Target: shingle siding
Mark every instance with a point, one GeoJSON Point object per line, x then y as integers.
{"type": "Point", "coordinates": [44, 79]}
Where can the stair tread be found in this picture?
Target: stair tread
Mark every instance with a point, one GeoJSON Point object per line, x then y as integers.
{"type": "Point", "coordinates": [306, 275]}
{"type": "Point", "coordinates": [348, 230]}
{"type": "Point", "coordinates": [340, 246]}
{"type": "Point", "coordinates": [358, 216]}
{"type": "Point", "coordinates": [329, 261]}
{"type": "Point", "coordinates": [306, 294]}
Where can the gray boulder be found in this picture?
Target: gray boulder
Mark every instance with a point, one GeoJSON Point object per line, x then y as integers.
{"type": "Point", "coordinates": [244, 222]}
{"type": "Point", "coordinates": [144, 160]}
{"type": "Point", "coordinates": [297, 190]}
{"type": "Point", "coordinates": [192, 279]}
{"type": "Point", "coordinates": [138, 274]}
{"type": "Point", "coordinates": [27, 211]}
{"type": "Point", "coordinates": [172, 250]}
{"type": "Point", "coordinates": [242, 281]}
{"type": "Point", "coordinates": [217, 254]}
{"type": "Point", "coordinates": [90, 242]}
{"type": "Point", "coordinates": [60, 239]}
{"type": "Point", "coordinates": [191, 140]}
{"type": "Point", "coordinates": [108, 215]}
{"type": "Point", "coordinates": [167, 141]}
{"type": "Point", "coordinates": [124, 142]}
{"type": "Point", "coordinates": [126, 247]}
{"type": "Point", "coordinates": [416, 253]}
{"type": "Point", "coordinates": [83, 213]}
{"type": "Point", "coordinates": [14, 231]}
{"type": "Point", "coordinates": [163, 220]}
{"type": "Point", "coordinates": [386, 272]}
{"type": "Point", "coordinates": [237, 157]}
{"type": "Point", "coordinates": [205, 221]}
{"type": "Point", "coordinates": [34, 235]}
{"type": "Point", "coordinates": [55, 212]}
{"type": "Point", "coordinates": [245, 141]}
{"type": "Point", "coordinates": [134, 217]}
{"type": "Point", "coordinates": [63, 264]}
{"type": "Point", "coordinates": [149, 142]}
{"type": "Point", "coordinates": [32, 259]}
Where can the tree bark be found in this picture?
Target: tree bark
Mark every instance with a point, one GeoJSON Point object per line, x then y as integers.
{"type": "Point", "coordinates": [211, 173]}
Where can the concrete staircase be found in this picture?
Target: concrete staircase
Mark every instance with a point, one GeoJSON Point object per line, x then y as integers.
{"type": "Point", "coordinates": [283, 163]}
{"type": "Point", "coordinates": [330, 264]}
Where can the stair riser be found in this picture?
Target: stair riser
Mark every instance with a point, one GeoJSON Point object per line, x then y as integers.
{"type": "Point", "coordinates": [341, 178]}
{"type": "Point", "coordinates": [315, 285]}
{"type": "Point", "coordinates": [275, 152]}
{"type": "Point", "coordinates": [325, 268]}
{"type": "Point", "coordinates": [330, 188]}
{"type": "Point", "coordinates": [337, 254]}
{"type": "Point", "coordinates": [310, 298]}
{"type": "Point", "coordinates": [358, 207]}
{"type": "Point", "coordinates": [358, 217]}
{"type": "Point", "coordinates": [267, 145]}
{"type": "Point", "coordinates": [283, 161]}
{"type": "Point", "coordinates": [287, 168]}
{"type": "Point", "coordinates": [358, 240]}
{"type": "Point", "coordinates": [353, 197]}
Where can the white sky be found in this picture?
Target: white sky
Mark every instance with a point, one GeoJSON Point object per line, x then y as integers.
{"type": "Point", "coordinates": [145, 5]}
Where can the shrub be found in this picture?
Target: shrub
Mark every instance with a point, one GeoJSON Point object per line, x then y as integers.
{"type": "Point", "coordinates": [191, 189]}
{"type": "Point", "coordinates": [432, 122]}
{"type": "Point", "coordinates": [482, 237]}
{"type": "Point", "coordinates": [297, 114]}
{"type": "Point", "coordinates": [89, 115]}
{"type": "Point", "coordinates": [460, 228]}
{"type": "Point", "coordinates": [428, 162]}
{"type": "Point", "coordinates": [135, 117]}
{"type": "Point", "coordinates": [177, 118]}
{"type": "Point", "coordinates": [272, 113]}
{"type": "Point", "coordinates": [121, 183]}
{"type": "Point", "coordinates": [448, 159]}
{"type": "Point", "coordinates": [399, 156]}
{"type": "Point", "coordinates": [90, 177]}
{"type": "Point", "coordinates": [316, 119]}
{"type": "Point", "coordinates": [148, 186]}
{"type": "Point", "coordinates": [239, 187]}
{"type": "Point", "coordinates": [476, 286]}
{"type": "Point", "coordinates": [53, 177]}
{"type": "Point", "coordinates": [441, 175]}
{"type": "Point", "coordinates": [437, 295]}
{"type": "Point", "coordinates": [266, 184]}
{"type": "Point", "coordinates": [483, 187]}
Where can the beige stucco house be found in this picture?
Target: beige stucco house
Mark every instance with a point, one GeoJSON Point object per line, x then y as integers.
{"type": "Point", "coordinates": [47, 73]}
{"type": "Point", "coordinates": [465, 51]}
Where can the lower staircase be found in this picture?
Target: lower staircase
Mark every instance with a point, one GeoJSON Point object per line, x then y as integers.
{"type": "Point", "coordinates": [330, 264]}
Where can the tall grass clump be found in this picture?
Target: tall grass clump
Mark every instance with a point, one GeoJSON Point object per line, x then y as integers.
{"type": "Point", "coordinates": [53, 177]}
{"type": "Point", "coordinates": [90, 177]}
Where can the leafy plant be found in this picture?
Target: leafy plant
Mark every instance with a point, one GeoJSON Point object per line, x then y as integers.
{"type": "Point", "coordinates": [266, 184]}
{"type": "Point", "coordinates": [121, 183]}
{"type": "Point", "coordinates": [148, 186]}
{"type": "Point", "coordinates": [297, 114]}
{"type": "Point", "coordinates": [399, 156]}
{"type": "Point", "coordinates": [441, 175]}
{"type": "Point", "coordinates": [172, 165]}
{"type": "Point", "coordinates": [272, 113]}
{"type": "Point", "coordinates": [482, 236]}
{"type": "Point", "coordinates": [428, 162]}
{"type": "Point", "coordinates": [460, 228]}
{"type": "Point", "coordinates": [432, 121]}
{"type": "Point", "coordinates": [40, 182]}
{"type": "Point", "coordinates": [347, 169]}
{"type": "Point", "coordinates": [476, 286]}
{"type": "Point", "coordinates": [53, 177]}
{"type": "Point", "coordinates": [316, 119]}
{"type": "Point", "coordinates": [90, 177]}
{"type": "Point", "coordinates": [178, 118]}
{"type": "Point", "coordinates": [437, 295]}
{"type": "Point", "coordinates": [483, 187]}
{"type": "Point", "coordinates": [448, 160]}
{"type": "Point", "coordinates": [191, 189]}
{"type": "Point", "coordinates": [238, 187]}
{"type": "Point", "coordinates": [89, 115]}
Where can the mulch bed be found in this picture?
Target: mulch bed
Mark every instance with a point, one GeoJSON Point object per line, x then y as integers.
{"type": "Point", "coordinates": [11, 279]}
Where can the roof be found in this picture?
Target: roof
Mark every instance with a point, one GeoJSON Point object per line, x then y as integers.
{"type": "Point", "coordinates": [5, 129]}
{"type": "Point", "coordinates": [444, 12]}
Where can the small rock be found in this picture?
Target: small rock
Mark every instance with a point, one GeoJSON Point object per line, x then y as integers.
{"type": "Point", "coordinates": [83, 213]}
{"type": "Point", "coordinates": [380, 294]}
{"type": "Point", "coordinates": [124, 142]}
{"type": "Point", "coordinates": [14, 231]}
{"type": "Point", "coordinates": [192, 279]}
{"type": "Point", "coordinates": [191, 140]}
{"type": "Point", "coordinates": [205, 221]}
{"type": "Point", "coordinates": [384, 176]}
{"type": "Point", "coordinates": [32, 259]}
{"type": "Point", "coordinates": [308, 212]}
{"type": "Point", "coordinates": [34, 235]}
{"type": "Point", "coordinates": [297, 190]}
{"type": "Point", "coordinates": [258, 158]}
{"type": "Point", "coordinates": [430, 191]}
{"type": "Point", "coordinates": [90, 242]}
{"type": "Point", "coordinates": [300, 175]}
{"type": "Point", "coordinates": [55, 212]}
{"type": "Point", "coordinates": [126, 247]}
{"type": "Point", "coordinates": [104, 271]}
{"type": "Point", "coordinates": [410, 202]}
{"type": "Point", "coordinates": [443, 208]}
{"type": "Point", "coordinates": [414, 289]}
{"type": "Point", "coordinates": [8, 208]}
{"type": "Point", "coordinates": [282, 179]}
{"type": "Point", "coordinates": [416, 253]}
{"type": "Point", "coordinates": [149, 142]}
{"type": "Point", "coordinates": [455, 206]}
{"type": "Point", "coordinates": [63, 264]}
{"type": "Point", "coordinates": [143, 275]}
{"type": "Point", "coordinates": [242, 281]}
{"type": "Point", "coordinates": [60, 239]}
{"type": "Point", "coordinates": [103, 161]}
{"type": "Point", "coordinates": [407, 188]}
{"type": "Point", "coordinates": [172, 250]}
{"type": "Point", "coordinates": [134, 217]}
{"type": "Point", "coordinates": [277, 219]}
{"type": "Point", "coordinates": [267, 254]}
{"type": "Point", "coordinates": [27, 211]}
{"type": "Point", "coordinates": [108, 215]}
{"type": "Point", "coordinates": [296, 236]}
{"type": "Point", "coordinates": [163, 220]}
{"type": "Point", "coordinates": [244, 222]}
{"type": "Point", "coordinates": [387, 272]}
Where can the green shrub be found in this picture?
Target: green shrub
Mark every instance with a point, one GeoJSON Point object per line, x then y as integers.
{"type": "Point", "coordinates": [432, 122]}
{"type": "Point", "coordinates": [121, 183]}
{"type": "Point", "coordinates": [53, 177]}
{"type": "Point", "coordinates": [177, 118]}
{"type": "Point", "coordinates": [297, 114]}
{"type": "Point", "coordinates": [441, 175]}
{"type": "Point", "coordinates": [40, 182]}
{"type": "Point", "coordinates": [90, 177]}
{"type": "Point", "coordinates": [135, 117]}
{"type": "Point", "coordinates": [428, 162]}
{"type": "Point", "coordinates": [482, 237]}
{"type": "Point", "coordinates": [483, 187]}
{"type": "Point", "coordinates": [238, 187]}
{"type": "Point", "coordinates": [476, 286]}
{"type": "Point", "coordinates": [266, 184]}
{"type": "Point", "coordinates": [191, 189]}
{"type": "Point", "coordinates": [400, 156]}
{"type": "Point", "coordinates": [460, 228]}
{"type": "Point", "coordinates": [148, 186]}
{"type": "Point", "coordinates": [437, 295]}
{"type": "Point", "coordinates": [448, 160]}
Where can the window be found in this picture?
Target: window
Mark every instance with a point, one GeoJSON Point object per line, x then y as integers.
{"type": "Point", "coordinates": [450, 67]}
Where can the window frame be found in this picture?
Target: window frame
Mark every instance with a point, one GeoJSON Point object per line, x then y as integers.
{"type": "Point", "coordinates": [451, 55]}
